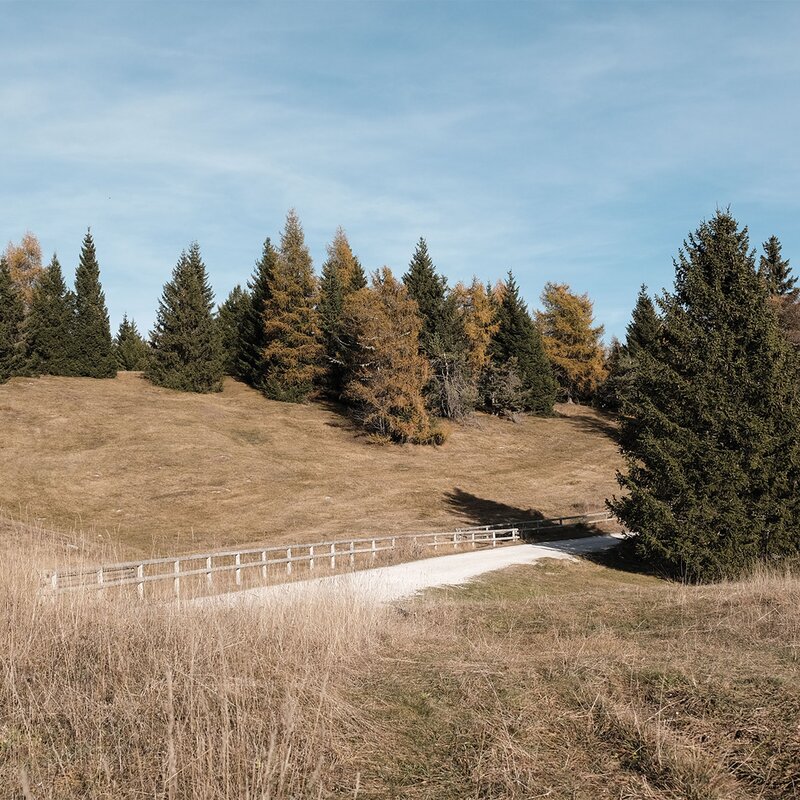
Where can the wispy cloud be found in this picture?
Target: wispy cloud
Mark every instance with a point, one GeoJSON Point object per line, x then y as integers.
{"type": "Point", "coordinates": [565, 142]}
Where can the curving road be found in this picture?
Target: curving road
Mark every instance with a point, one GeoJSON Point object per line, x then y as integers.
{"type": "Point", "coordinates": [384, 584]}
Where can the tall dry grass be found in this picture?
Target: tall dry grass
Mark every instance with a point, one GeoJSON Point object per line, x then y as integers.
{"type": "Point", "coordinates": [110, 699]}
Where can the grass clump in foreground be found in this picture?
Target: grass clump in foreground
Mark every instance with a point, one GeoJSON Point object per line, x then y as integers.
{"type": "Point", "coordinates": [560, 680]}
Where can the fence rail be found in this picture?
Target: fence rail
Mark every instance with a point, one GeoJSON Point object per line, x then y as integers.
{"type": "Point", "coordinates": [264, 561]}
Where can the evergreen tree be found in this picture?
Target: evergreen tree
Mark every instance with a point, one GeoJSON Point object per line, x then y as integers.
{"type": "Point", "coordinates": [571, 342]}
{"type": "Point", "coordinates": [230, 320]}
{"type": "Point", "coordinates": [93, 356]}
{"type": "Point", "coordinates": [617, 369]}
{"type": "Point", "coordinates": [713, 468]}
{"type": "Point", "coordinates": [644, 329]}
{"type": "Point", "coordinates": [131, 351]}
{"type": "Point", "coordinates": [185, 349]}
{"type": "Point", "coordinates": [49, 325]}
{"type": "Point", "coordinates": [252, 334]}
{"type": "Point", "coordinates": [775, 270]}
{"type": "Point", "coordinates": [292, 353]}
{"type": "Point", "coordinates": [385, 373]}
{"type": "Point", "coordinates": [517, 338]}
{"type": "Point", "coordinates": [11, 319]}
{"type": "Point", "coordinates": [341, 275]}
{"type": "Point", "coordinates": [784, 297]}
{"type": "Point", "coordinates": [443, 340]}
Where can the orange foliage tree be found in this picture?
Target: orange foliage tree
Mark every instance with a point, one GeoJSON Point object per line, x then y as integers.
{"type": "Point", "coordinates": [385, 373]}
{"type": "Point", "coordinates": [475, 308]}
{"type": "Point", "coordinates": [25, 265]}
{"type": "Point", "coordinates": [571, 341]}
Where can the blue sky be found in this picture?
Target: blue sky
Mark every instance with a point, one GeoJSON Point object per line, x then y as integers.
{"type": "Point", "coordinates": [570, 142]}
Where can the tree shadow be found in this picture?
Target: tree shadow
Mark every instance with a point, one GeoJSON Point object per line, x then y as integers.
{"type": "Point", "coordinates": [479, 511]}
{"type": "Point", "coordinates": [625, 558]}
{"type": "Point", "coordinates": [605, 425]}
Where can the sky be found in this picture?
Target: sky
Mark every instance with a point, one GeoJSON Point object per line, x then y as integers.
{"type": "Point", "coordinates": [576, 143]}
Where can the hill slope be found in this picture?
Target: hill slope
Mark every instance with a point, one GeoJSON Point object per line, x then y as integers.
{"type": "Point", "coordinates": [157, 471]}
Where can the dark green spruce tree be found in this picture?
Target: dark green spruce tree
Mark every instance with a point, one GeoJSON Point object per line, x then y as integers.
{"type": "Point", "coordinates": [93, 355]}
{"type": "Point", "coordinates": [517, 340]}
{"type": "Point", "coordinates": [11, 318]}
{"type": "Point", "coordinates": [644, 329]}
{"type": "Point", "coordinates": [775, 270]}
{"type": "Point", "coordinates": [451, 392]}
{"type": "Point", "coordinates": [230, 318]}
{"type": "Point", "coordinates": [252, 335]}
{"type": "Point", "coordinates": [49, 325]}
{"type": "Point", "coordinates": [130, 349]}
{"type": "Point", "coordinates": [642, 334]}
{"type": "Point", "coordinates": [713, 470]}
{"type": "Point", "coordinates": [185, 349]}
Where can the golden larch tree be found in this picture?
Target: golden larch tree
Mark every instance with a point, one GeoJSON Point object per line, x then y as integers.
{"type": "Point", "coordinates": [385, 373]}
{"type": "Point", "coordinates": [25, 265]}
{"type": "Point", "coordinates": [475, 307]}
{"type": "Point", "coordinates": [571, 341]}
{"type": "Point", "coordinates": [292, 355]}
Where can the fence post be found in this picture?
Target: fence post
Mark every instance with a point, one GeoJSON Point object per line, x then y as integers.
{"type": "Point", "coordinates": [264, 564]}
{"type": "Point", "coordinates": [140, 585]}
{"type": "Point", "coordinates": [100, 577]}
{"type": "Point", "coordinates": [455, 541]}
{"type": "Point", "coordinates": [393, 543]}
{"type": "Point", "coordinates": [54, 581]}
{"type": "Point", "coordinates": [374, 551]}
{"type": "Point", "coordinates": [311, 557]}
{"type": "Point", "coordinates": [288, 560]}
{"type": "Point", "coordinates": [177, 579]}
{"type": "Point", "coordinates": [209, 574]}
{"type": "Point", "coordinates": [435, 541]}
{"type": "Point", "coordinates": [352, 554]}
{"type": "Point", "coordinates": [333, 555]}
{"type": "Point", "coordinates": [473, 540]}
{"type": "Point", "coordinates": [494, 538]}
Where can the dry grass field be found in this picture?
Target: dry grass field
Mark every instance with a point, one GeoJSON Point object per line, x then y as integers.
{"type": "Point", "coordinates": [561, 680]}
{"type": "Point", "coordinates": [143, 470]}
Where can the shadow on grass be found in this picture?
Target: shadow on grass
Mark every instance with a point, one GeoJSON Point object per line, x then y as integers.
{"type": "Point", "coordinates": [604, 424]}
{"type": "Point", "coordinates": [480, 511]}
{"type": "Point", "coordinates": [624, 558]}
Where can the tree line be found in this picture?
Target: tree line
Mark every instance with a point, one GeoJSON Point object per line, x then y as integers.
{"type": "Point", "coordinates": [705, 385]}
{"type": "Point", "coordinates": [402, 354]}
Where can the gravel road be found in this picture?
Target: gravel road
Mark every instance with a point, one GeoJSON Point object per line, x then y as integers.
{"type": "Point", "coordinates": [384, 584]}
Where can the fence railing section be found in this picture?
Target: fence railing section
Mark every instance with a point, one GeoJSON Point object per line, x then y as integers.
{"type": "Point", "coordinates": [266, 563]}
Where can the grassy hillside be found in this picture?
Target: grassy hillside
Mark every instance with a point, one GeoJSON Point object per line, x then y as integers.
{"type": "Point", "coordinates": [562, 680]}
{"type": "Point", "coordinates": [152, 470]}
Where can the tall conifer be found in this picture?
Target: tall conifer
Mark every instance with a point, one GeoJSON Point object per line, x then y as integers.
{"type": "Point", "coordinates": [11, 318]}
{"type": "Point", "coordinates": [49, 325]}
{"type": "Point", "coordinates": [252, 334]}
{"type": "Point", "coordinates": [341, 275]}
{"type": "Point", "coordinates": [230, 319]}
{"type": "Point", "coordinates": [517, 338]}
{"type": "Point", "coordinates": [644, 329]}
{"type": "Point", "coordinates": [571, 341]}
{"type": "Point", "coordinates": [443, 340]}
{"type": "Point", "coordinates": [385, 372]}
{"type": "Point", "coordinates": [292, 355]}
{"type": "Point", "coordinates": [185, 350]}
{"type": "Point", "coordinates": [775, 270]}
{"type": "Point", "coordinates": [92, 331]}
{"type": "Point", "coordinates": [713, 470]}
{"type": "Point", "coordinates": [130, 349]}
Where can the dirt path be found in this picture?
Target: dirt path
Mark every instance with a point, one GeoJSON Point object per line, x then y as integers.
{"type": "Point", "coordinates": [384, 584]}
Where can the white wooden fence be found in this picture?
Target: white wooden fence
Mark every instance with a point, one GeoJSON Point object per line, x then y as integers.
{"type": "Point", "coordinates": [278, 560]}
